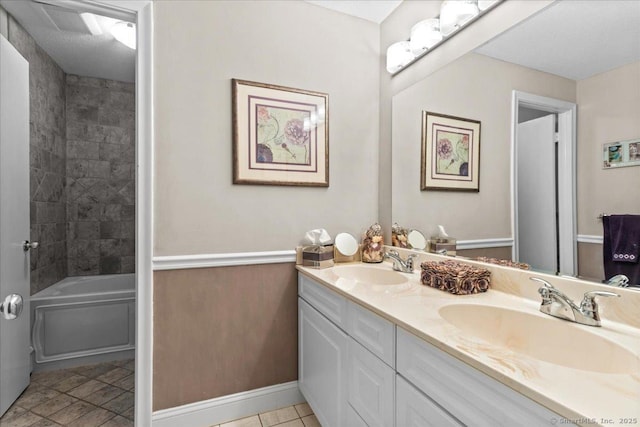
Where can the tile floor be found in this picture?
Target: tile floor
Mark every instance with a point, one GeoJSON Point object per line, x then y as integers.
{"type": "Point", "coordinates": [86, 396]}
{"type": "Point", "coordinates": [293, 416]}
{"type": "Point", "coordinates": [102, 395]}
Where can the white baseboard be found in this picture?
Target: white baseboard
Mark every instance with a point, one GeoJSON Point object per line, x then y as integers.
{"type": "Point", "coordinates": [227, 408]}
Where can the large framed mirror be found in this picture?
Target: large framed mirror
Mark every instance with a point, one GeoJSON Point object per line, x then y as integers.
{"type": "Point", "coordinates": [582, 53]}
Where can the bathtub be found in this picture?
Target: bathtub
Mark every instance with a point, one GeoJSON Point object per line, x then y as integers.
{"type": "Point", "coordinates": [82, 320]}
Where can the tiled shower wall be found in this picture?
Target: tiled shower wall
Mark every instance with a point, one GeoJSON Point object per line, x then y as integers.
{"type": "Point", "coordinates": [100, 176]}
{"type": "Point", "coordinates": [47, 124]}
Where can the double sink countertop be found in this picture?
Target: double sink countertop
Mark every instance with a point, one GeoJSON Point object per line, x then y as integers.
{"type": "Point", "coordinates": [588, 375]}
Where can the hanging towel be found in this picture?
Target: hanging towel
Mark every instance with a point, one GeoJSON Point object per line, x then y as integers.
{"type": "Point", "coordinates": [621, 249]}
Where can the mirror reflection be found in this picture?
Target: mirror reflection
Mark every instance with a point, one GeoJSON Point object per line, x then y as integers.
{"type": "Point", "coordinates": [582, 53]}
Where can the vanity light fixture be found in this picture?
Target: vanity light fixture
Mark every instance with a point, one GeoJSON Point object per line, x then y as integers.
{"type": "Point", "coordinates": [428, 34]}
{"type": "Point", "coordinates": [125, 33]}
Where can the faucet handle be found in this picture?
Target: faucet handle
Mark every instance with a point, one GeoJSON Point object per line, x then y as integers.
{"type": "Point", "coordinates": [593, 294]}
{"type": "Point", "coordinates": [545, 284]}
{"type": "Point", "coordinates": [589, 304]}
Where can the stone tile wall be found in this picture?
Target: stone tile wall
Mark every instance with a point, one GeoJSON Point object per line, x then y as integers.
{"type": "Point", "coordinates": [47, 159]}
{"type": "Point", "coordinates": [100, 172]}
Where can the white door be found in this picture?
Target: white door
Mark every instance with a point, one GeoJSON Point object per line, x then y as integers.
{"type": "Point", "coordinates": [536, 192]}
{"type": "Point", "coordinates": [14, 224]}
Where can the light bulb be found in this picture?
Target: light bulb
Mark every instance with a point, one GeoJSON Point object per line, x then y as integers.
{"type": "Point", "coordinates": [485, 4]}
{"type": "Point", "coordinates": [125, 33]}
{"type": "Point", "coordinates": [398, 55]}
{"type": "Point", "coordinates": [455, 13]}
{"type": "Point", "coordinates": [424, 35]}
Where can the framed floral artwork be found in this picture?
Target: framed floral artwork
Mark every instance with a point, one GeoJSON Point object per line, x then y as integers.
{"type": "Point", "coordinates": [280, 135]}
{"type": "Point", "coordinates": [450, 153]}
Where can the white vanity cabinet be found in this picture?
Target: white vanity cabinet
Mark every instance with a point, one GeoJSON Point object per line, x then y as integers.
{"type": "Point", "coordinates": [358, 369]}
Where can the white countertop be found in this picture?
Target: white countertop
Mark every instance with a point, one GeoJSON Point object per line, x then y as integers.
{"type": "Point", "coordinates": [582, 396]}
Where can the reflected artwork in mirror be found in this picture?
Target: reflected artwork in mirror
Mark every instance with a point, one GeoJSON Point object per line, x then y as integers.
{"type": "Point", "coordinates": [579, 52]}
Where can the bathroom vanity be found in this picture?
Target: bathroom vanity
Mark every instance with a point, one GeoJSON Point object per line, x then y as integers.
{"type": "Point", "coordinates": [376, 348]}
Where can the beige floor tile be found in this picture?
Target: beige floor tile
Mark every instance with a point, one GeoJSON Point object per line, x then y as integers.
{"type": "Point", "coordinates": [93, 371]}
{"type": "Point", "coordinates": [253, 421]}
{"type": "Point", "coordinates": [113, 375]}
{"type": "Point", "coordinates": [127, 382]}
{"type": "Point", "coordinates": [30, 399]}
{"type": "Point", "coordinates": [95, 418]}
{"type": "Point", "coordinates": [120, 404]}
{"type": "Point", "coordinates": [278, 416]}
{"type": "Point", "coordinates": [118, 421]}
{"type": "Point", "coordinates": [70, 382]}
{"type": "Point", "coordinates": [45, 423]}
{"type": "Point", "coordinates": [50, 378]}
{"type": "Point", "coordinates": [293, 423]}
{"type": "Point", "coordinates": [130, 365]}
{"type": "Point", "coordinates": [310, 421]}
{"type": "Point", "coordinates": [72, 412]}
{"type": "Point", "coordinates": [129, 413]}
{"type": "Point", "coordinates": [86, 389]}
{"type": "Point", "coordinates": [104, 395]}
{"type": "Point", "coordinates": [53, 405]}
{"type": "Point", "coordinates": [12, 412]}
{"type": "Point", "coordinates": [23, 420]}
{"type": "Point", "coordinates": [303, 409]}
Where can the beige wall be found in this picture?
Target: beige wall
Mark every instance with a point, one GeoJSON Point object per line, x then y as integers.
{"type": "Point", "coordinates": [200, 47]}
{"type": "Point", "coordinates": [219, 331]}
{"type": "Point", "coordinates": [608, 111]}
{"type": "Point", "coordinates": [467, 88]}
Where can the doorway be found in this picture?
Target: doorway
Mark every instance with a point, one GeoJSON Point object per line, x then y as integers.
{"type": "Point", "coordinates": [140, 11]}
{"type": "Point", "coordinates": [543, 190]}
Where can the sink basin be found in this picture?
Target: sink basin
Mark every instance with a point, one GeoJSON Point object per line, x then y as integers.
{"type": "Point", "coordinates": [370, 275]}
{"type": "Point", "coordinates": [548, 339]}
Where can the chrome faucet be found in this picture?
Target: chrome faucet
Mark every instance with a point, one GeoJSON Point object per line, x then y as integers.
{"type": "Point", "coordinates": [405, 266]}
{"type": "Point", "coordinates": [619, 280]}
{"type": "Point", "coordinates": [557, 304]}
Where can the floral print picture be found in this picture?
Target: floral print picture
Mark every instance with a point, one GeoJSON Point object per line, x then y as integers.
{"type": "Point", "coordinates": [283, 135]}
{"type": "Point", "coordinates": [450, 153]}
{"type": "Point", "coordinates": [280, 135]}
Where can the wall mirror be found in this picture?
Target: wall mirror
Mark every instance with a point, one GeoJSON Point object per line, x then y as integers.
{"type": "Point", "coordinates": [585, 53]}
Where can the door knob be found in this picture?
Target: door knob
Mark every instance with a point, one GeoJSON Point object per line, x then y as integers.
{"type": "Point", "coordinates": [29, 245]}
{"type": "Point", "coordinates": [11, 307]}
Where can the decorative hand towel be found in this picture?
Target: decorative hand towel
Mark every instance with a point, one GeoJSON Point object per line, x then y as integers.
{"type": "Point", "coordinates": [621, 248]}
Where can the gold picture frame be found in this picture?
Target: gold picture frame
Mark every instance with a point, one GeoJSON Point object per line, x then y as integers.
{"type": "Point", "coordinates": [450, 159]}
{"type": "Point", "coordinates": [280, 135]}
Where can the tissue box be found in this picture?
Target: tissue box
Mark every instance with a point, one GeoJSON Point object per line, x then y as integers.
{"type": "Point", "coordinates": [438, 244]}
{"type": "Point", "coordinates": [317, 256]}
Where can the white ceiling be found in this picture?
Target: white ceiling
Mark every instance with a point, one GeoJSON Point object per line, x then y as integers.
{"type": "Point", "coordinates": [570, 38]}
{"type": "Point", "coordinates": [575, 39]}
{"type": "Point", "coordinates": [64, 36]}
{"type": "Point", "coordinates": [371, 10]}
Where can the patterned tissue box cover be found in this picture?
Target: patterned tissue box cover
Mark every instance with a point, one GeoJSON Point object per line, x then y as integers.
{"type": "Point", "coordinates": [455, 277]}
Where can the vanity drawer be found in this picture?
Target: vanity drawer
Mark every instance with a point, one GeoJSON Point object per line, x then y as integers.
{"type": "Point", "coordinates": [370, 386]}
{"type": "Point", "coordinates": [329, 303]}
{"type": "Point", "coordinates": [473, 397]}
{"type": "Point", "coordinates": [414, 409]}
{"type": "Point", "coordinates": [377, 334]}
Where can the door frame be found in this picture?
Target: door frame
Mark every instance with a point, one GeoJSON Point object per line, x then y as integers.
{"type": "Point", "coordinates": [142, 12]}
{"type": "Point", "coordinates": [567, 137]}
